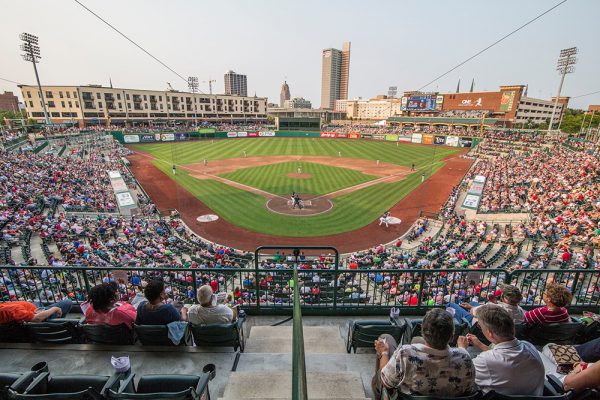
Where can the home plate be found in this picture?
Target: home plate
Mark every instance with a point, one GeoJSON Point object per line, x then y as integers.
{"type": "Point", "coordinates": [207, 218]}
{"type": "Point", "coordinates": [393, 220]}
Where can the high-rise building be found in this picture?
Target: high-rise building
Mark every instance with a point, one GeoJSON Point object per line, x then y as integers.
{"type": "Point", "coordinates": [236, 84]}
{"type": "Point", "coordinates": [9, 102]}
{"type": "Point", "coordinates": [285, 94]}
{"type": "Point", "coordinates": [297, 102]}
{"type": "Point", "coordinates": [334, 77]}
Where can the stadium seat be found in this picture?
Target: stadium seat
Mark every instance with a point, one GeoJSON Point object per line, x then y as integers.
{"type": "Point", "coordinates": [171, 387]}
{"type": "Point", "coordinates": [364, 333]}
{"type": "Point", "coordinates": [220, 335]}
{"type": "Point", "coordinates": [540, 335]}
{"type": "Point", "coordinates": [393, 394]}
{"type": "Point", "coordinates": [13, 333]}
{"type": "Point", "coordinates": [55, 331]}
{"type": "Point", "coordinates": [66, 387]}
{"type": "Point", "coordinates": [108, 334]}
{"type": "Point", "coordinates": [154, 335]}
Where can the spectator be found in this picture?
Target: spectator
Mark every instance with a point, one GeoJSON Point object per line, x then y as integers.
{"type": "Point", "coordinates": [208, 311]}
{"type": "Point", "coordinates": [103, 307]}
{"type": "Point", "coordinates": [157, 310]}
{"type": "Point", "coordinates": [509, 300]}
{"type": "Point", "coordinates": [23, 311]}
{"type": "Point", "coordinates": [495, 368]}
{"type": "Point", "coordinates": [432, 368]}
{"type": "Point", "coordinates": [556, 297]}
{"type": "Point", "coordinates": [583, 377]}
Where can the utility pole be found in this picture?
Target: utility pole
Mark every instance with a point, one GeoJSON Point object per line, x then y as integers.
{"type": "Point", "coordinates": [566, 65]}
{"type": "Point", "coordinates": [31, 53]}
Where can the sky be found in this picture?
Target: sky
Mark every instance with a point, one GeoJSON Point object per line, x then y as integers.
{"type": "Point", "coordinates": [394, 43]}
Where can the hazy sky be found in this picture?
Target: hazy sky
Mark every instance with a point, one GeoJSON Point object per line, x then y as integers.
{"type": "Point", "coordinates": [394, 43]}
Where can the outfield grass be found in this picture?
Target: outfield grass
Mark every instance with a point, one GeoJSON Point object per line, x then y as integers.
{"type": "Point", "coordinates": [351, 211]}
{"type": "Point", "coordinates": [273, 178]}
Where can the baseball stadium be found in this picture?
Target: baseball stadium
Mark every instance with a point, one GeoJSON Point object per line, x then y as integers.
{"type": "Point", "coordinates": [427, 244]}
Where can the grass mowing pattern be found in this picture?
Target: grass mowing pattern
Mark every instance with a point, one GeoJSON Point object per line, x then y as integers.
{"type": "Point", "coordinates": [273, 178]}
{"type": "Point", "coordinates": [351, 211]}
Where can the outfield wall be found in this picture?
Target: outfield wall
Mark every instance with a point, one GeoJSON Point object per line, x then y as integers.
{"type": "Point", "coordinates": [420, 138]}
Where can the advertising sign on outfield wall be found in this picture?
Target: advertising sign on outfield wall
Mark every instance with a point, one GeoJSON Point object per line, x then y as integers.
{"type": "Point", "coordinates": [417, 137]}
{"type": "Point", "coordinates": [149, 138]}
{"type": "Point", "coordinates": [252, 134]}
{"type": "Point", "coordinates": [232, 134]}
{"type": "Point", "coordinates": [181, 136]}
{"type": "Point", "coordinates": [354, 136]}
{"type": "Point", "coordinates": [131, 138]}
{"type": "Point", "coordinates": [167, 137]}
{"type": "Point", "coordinates": [438, 139]}
{"type": "Point", "coordinates": [242, 134]}
{"type": "Point", "coordinates": [452, 141]}
{"type": "Point", "coordinates": [405, 138]}
{"type": "Point", "coordinates": [341, 135]}
{"type": "Point", "coordinates": [379, 137]}
{"type": "Point", "coordinates": [206, 130]}
{"type": "Point", "coordinates": [471, 201]}
{"type": "Point", "coordinates": [427, 139]}
{"type": "Point", "coordinates": [465, 142]}
{"type": "Point", "coordinates": [328, 134]}
{"type": "Point", "coordinates": [391, 138]}
{"type": "Point", "coordinates": [266, 134]}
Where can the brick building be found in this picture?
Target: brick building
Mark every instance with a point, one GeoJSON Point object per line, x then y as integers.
{"type": "Point", "coordinates": [9, 102]}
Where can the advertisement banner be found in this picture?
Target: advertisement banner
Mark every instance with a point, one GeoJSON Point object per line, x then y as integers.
{"type": "Point", "coordinates": [471, 201]}
{"type": "Point", "coordinates": [125, 200]}
{"type": "Point", "coordinates": [379, 137]}
{"type": "Point", "coordinates": [452, 141]}
{"type": "Point", "coordinates": [417, 137]}
{"type": "Point", "coordinates": [252, 134]}
{"type": "Point", "coordinates": [391, 138]}
{"type": "Point", "coordinates": [440, 140]}
{"type": "Point", "coordinates": [427, 139]}
{"type": "Point", "coordinates": [242, 134]}
{"type": "Point", "coordinates": [181, 136]}
{"type": "Point", "coordinates": [465, 142]}
{"type": "Point", "coordinates": [149, 138]}
{"type": "Point", "coordinates": [328, 134]}
{"type": "Point", "coordinates": [405, 138]}
{"type": "Point", "coordinates": [507, 100]}
{"type": "Point", "coordinates": [340, 135]}
{"type": "Point", "coordinates": [131, 138]}
{"type": "Point", "coordinates": [206, 130]}
{"type": "Point", "coordinates": [167, 137]}
{"type": "Point", "coordinates": [354, 135]}
{"type": "Point", "coordinates": [266, 134]}
{"type": "Point", "coordinates": [232, 134]}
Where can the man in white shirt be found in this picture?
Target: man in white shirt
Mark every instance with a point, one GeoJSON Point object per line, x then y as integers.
{"type": "Point", "coordinates": [208, 311]}
{"type": "Point", "coordinates": [512, 367]}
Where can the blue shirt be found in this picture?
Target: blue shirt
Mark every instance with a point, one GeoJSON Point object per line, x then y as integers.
{"type": "Point", "coordinates": [163, 315]}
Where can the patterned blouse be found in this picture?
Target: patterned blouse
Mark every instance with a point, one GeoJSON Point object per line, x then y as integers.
{"type": "Point", "coordinates": [420, 370]}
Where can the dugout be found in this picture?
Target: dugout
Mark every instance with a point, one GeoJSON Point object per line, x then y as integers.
{"type": "Point", "coordinates": [298, 124]}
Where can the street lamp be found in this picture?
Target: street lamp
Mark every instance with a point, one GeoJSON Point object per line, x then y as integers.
{"type": "Point", "coordinates": [31, 53]}
{"type": "Point", "coordinates": [565, 65]}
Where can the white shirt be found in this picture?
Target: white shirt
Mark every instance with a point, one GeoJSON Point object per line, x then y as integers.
{"type": "Point", "coordinates": [510, 368]}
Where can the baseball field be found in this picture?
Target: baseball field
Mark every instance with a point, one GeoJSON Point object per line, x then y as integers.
{"type": "Point", "coordinates": [248, 182]}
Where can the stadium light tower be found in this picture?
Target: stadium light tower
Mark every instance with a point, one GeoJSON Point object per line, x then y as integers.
{"type": "Point", "coordinates": [566, 65]}
{"type": "Point", "coordinates": [193, 86]}
{"type": "Point", "coordinates": [31, 52]}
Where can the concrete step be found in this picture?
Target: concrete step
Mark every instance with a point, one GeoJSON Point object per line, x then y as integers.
{"type": "Point", "coordinates": [278, 385]}
{"type": "Point", "coordinates": [278, 339]}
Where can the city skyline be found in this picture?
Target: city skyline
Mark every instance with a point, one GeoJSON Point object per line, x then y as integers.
{"type": "Point", "coordinates": [78, 49]}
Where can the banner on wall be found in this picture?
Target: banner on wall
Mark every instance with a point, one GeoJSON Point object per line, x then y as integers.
{"type": "Point", "coordinates": [440, 140]}
{"type": "Point", "coordinates": [181, 136]}
{"type": "Point", "coordinates": [452, 141]}
{"type": "Point", "coordinates": [471, 201]}
{"type": "Point", "coordinates": [379, 137]}
{"type": "Point", "coordinates": [131, 138]}
{"type": "Point", "coordinates": [405, 138]}
{"type": "Point", "coordinates": [149, 138]}
{"type": "Point", "coordinates": [354, 135]}
{"type": "Point", "coordinates": [417, 137]}
{"type": "Point", "coordinates": [266, 133]}
{"type": "Point", "coordinates": [167, 137]}
{"type": "Point", "coordinates": [427, 139]}
{"type": "Point", "coordinates": [252, 134]}
{"type": "Point", "coordinates": [242, 134]}
{"type": "Point", "coordinates": [391, 138]}
{"type": "Point", "coordinates": [341, 135]}
{"type": "Point", "coordinates": [232, 134]}
{"type": "Point", "coordinates": [328, 134]}
{"type": "Point", "coordinates": [465, 142]}
{"type": "Point", "coordinates": [206, 130]}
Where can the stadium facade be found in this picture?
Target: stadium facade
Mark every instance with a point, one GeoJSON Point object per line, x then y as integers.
{"type": "Point", "coordinates": [99, 105]}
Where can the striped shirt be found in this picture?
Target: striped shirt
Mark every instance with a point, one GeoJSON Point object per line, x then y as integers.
{"type": "Point", "coordinates": [543, 315]}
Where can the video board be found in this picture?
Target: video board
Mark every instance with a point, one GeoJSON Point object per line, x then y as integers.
{"type": "Point", "coordinates": [419, 103]}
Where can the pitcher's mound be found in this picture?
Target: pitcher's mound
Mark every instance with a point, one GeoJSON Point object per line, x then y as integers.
{"type": "Point", "coordinates": [313, 205]}
{"type": "Point", "coordinates": [299, 175]}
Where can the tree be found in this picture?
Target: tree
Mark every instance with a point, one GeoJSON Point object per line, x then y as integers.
{"type": "Point", "coordinates": [573, 120]}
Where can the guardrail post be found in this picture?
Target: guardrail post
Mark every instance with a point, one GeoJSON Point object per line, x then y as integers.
{"type": "Point", "coordinates": [421, 281]}
{"type": "Point", "coordinates": [256, 278]}
{"type": "Point", "coordinates": [194, 286]}
{"type": "Point", "coordinates": [335, 281]}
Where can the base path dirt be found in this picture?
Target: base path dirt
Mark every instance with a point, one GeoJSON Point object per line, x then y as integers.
{"type": "Point", "coordinates": [429, 196]}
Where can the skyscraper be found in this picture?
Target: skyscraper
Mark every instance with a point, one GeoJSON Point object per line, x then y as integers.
{"type": "Point", "coordinates": [236, 84]}
{"type": "Point", "coordinates": [285, 94]}
{"type": "Point", "coordinates": [335, 73]}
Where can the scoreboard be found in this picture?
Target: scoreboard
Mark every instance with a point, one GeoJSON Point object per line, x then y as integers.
{"type": "Point", "coordinates": [419, 103]}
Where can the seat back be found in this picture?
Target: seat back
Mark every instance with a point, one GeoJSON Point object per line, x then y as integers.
{"type": "Point", "coordinates": [563, 333]}
{"type": "Point", "coordinates": [216, 335]}
{"type": "Point", "coordinates": [497, 396]}
{"type": "Point", "coordinates": [396, 394]}
{"type": "Point", "coordinates": [13, 333]}
{"type": "Point", "coordinates": [70, 387]}
{"type": "Point", "coordinates": [166, 383]}
{"type": "Point", "coordinates": [55, 331]}
{"type": "Point", "coordinates": [154, 387]}
{"type": "Point", "coordinates": [108, 334]}
{"type": "Point", "coordinates": [364, 333]}
{"type": "Point", "coordinates": [7, 379]}
{"type": "Point", "coordinates": [153, 335]}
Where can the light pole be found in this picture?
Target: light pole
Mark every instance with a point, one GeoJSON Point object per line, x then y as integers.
{"type": "Point", "coordinates": [566, 65]}
{"type": "Point", "coordinates": [31, 52]}
{"type": "Point", "coordinates": [193, 86]}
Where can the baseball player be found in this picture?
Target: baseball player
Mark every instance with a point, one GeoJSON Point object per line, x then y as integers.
{"type": "Point", "coordinates": [384, 219]}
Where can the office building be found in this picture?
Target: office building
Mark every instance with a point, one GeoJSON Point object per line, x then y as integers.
{"type": "Point", "coordinates": [95, 104]}
{"type": "Point", "coordinates": [9, 102]}
{"type": "Point", "coordinates": [236, 84]}
{"type": "Point", "coordinates": [377, 108]}
{"type": "Point", "coordinates": [297, 102]}
{"type": "Point", "coordinates": [284, 95]}
{"type": "Point", "coordinates": [334, 75]}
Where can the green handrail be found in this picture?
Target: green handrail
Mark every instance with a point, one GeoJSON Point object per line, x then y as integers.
{"type": "Point", "coordinates": [299, 389]}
